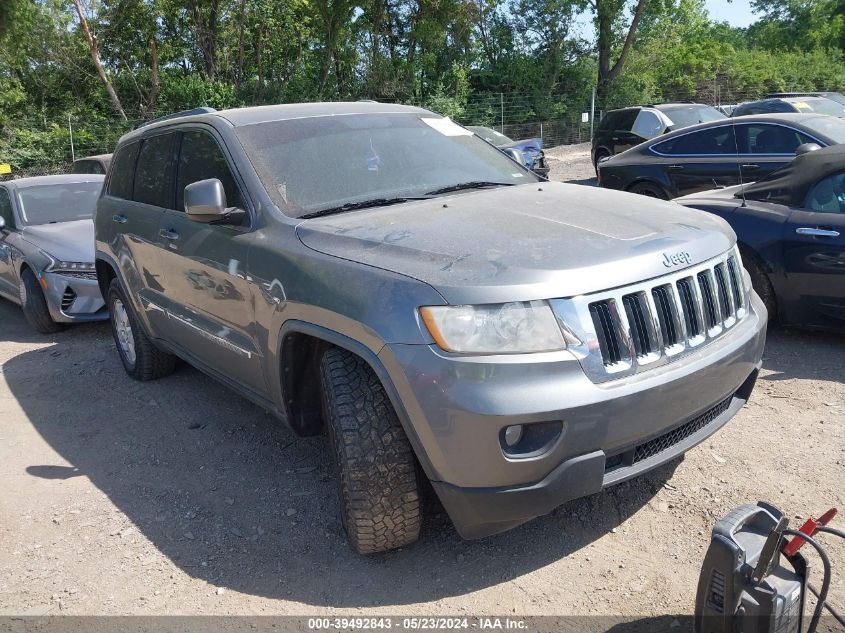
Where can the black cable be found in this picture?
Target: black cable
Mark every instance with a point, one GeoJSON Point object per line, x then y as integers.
{"type": "Point", "coordinates": [836, 615]}
{"type": "Point", "coordinates": [822, 595]}
{"type": "Point", "coordinates": [830, 530]}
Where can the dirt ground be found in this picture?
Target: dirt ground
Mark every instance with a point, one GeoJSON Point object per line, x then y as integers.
{"type": "Point", "coordinates": [180, 497]}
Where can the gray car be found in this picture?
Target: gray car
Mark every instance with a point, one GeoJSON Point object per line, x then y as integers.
{"type": "Point", "coordinates": [47, 249]}
{"type": "Point", "coordinates": [437, 310]}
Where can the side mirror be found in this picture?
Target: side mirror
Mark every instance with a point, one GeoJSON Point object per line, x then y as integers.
{"type": "Point", "coordinates": [205, 201]}
{"type": "Point", "coordinates": [806, 148]}
{"type": "Point", "coordinates": [515, 155]}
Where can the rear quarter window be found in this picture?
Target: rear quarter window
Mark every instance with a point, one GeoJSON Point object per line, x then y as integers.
{"type": "Point", "coordinates": [122, 172]}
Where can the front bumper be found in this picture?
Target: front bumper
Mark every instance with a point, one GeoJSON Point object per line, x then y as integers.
{"type": "Point", "coordinates": [457, 408]}
{"type": "Point", "coordinates": [73, 299]}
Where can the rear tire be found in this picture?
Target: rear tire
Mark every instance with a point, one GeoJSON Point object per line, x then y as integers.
{"type": "Point", "coordinates": [761, 283]}
{"type": "Point", "coordinates": [34, 304]}
{"type": "Point", "coordinates": [649, 190]}
{"type": "Point", "coordinates": [141, 359]}
{"type": "Point", "coordinates": [376, 469]}
{"type": "Point", "coordinates": [599, 155]}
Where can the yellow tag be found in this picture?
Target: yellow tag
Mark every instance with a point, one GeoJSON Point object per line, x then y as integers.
{"type": "Point", "coordinates": [5, 168]}
{"type": "Point", "coordinates": [802, 105]}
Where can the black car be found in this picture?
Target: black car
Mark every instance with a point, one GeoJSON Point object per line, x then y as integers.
{"type": "Point", "coordinates": [819, 105]}
{"type": "Point", "coordinates": [834, 96]}
{"type": "Point", "coordinates": [790, 228]}
{"type": "Point", "coordinates": [531, 149]}
{"type": "Point", "coordinates": [717, 154]}
{"type": "Point", "coordinates": [624, 128]}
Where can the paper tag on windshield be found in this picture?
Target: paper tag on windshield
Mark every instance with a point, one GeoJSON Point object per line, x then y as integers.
{"type": "Point", "coordinates": [447, 127]}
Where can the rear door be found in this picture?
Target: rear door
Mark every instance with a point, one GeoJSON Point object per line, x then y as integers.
{"type": "Point", "coordinates": [700, 160]}
{"type": "Point", "coordinates": [622, 136]}
{"type": "Point", "coordinates": [211, 309]}
{"type": "Point", "coordinates": [765, 147]}
{"type": "Point", "coordinates": [814, 249]}
{"type": "Point", "coordinates": [8, 279]}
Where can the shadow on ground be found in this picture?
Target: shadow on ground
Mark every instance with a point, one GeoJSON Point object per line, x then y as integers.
{"type": "Point", "coordinates": [787, 357]}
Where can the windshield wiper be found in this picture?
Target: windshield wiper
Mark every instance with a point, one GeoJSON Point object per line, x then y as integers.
{"type": "Point", "coordinates": [474, 184]}
{"type": "Point", "coordinates": [364, 204]}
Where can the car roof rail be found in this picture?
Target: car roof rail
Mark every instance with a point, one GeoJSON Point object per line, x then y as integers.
{"type": "Point", "coordinates": [177, 115]}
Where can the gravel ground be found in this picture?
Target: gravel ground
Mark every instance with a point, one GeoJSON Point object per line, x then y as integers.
{"type": "Point", "coordinates": [180, 497]}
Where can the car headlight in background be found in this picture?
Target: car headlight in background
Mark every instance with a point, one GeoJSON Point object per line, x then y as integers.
{"type": "Point", "coordinates": [506, 328]}
{"type": "Point", "coordinates": [59, 266]}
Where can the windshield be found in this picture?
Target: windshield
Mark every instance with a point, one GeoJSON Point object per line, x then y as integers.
{"type": "Point", "coordinates": [832, 129]}
{"type": "Point", "coordinates": [47, 204]}
{"type": "Point", "coordinates": [684, 116]}
{"type": "Point", "coordinates": [820, 105]}
{"type": "Point", "coordinates": [490, 135]}
{"type": "Point", "coordinates": [319, 163]}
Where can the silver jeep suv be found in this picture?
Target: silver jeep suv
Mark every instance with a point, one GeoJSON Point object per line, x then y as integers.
{"type": "Point", "coordinates": [379, 273]}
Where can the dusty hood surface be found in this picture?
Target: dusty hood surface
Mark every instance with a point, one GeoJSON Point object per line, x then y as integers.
{"type": "Point", "coordinates": [534, 241]}
{"type": "Point", "coordinates": [66, 241]}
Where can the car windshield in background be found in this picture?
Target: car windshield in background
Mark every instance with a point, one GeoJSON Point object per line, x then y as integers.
{"type": "Point", "coordinates": [684, 116]}
{"type": "Point", "coordinates": [320, 163]}
{"type": "Point", "coordinates": [48, 204]}
{"type": "Point", "coordinates": [490, 135]}
{"type": "Point", "coordinates": [820, 105]}
{"type": "Point", "coordinates": [833, 129]}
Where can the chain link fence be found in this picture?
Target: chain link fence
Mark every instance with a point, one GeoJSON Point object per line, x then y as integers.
{"type": "Point", "coordinates": [38, 147]}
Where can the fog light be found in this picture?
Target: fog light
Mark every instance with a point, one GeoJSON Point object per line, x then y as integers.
{"type": "Point", "coordinates": [513, 434]}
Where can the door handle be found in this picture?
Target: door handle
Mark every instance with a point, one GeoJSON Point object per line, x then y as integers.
{"type": "Point", "coordinates": [817, 232]}
{"type": "Point", "coordinates": [750, 166]}
{"type": "Point", "coordinates": [676, 167]}
{"type": "Point", "coordinates": [169, 234]}
{"type": "Point", "coordinates": [120, 219]}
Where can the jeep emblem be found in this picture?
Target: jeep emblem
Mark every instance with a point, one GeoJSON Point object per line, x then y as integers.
{"type": "Point", "coordinates": [676, 259]}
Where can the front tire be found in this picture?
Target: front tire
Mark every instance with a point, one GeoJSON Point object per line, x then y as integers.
{"type": "Point", "coordinates": [761, 283]}
{"type": "Point", "coordinates": [34, 305]}
{"type": "Point", "coordinates": [376, 469]}
{"type": "Point", "coordinates": [141, 359]}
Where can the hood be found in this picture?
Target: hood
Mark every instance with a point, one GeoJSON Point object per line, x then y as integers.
{"type": "Point", "coordinates": [526, 145]}
{"type": "Point", "coordinates": [66, 241]}
{"type": "Point", "coordinates": [532, 241]}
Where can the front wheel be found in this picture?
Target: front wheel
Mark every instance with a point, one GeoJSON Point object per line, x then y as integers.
{"type": "Point", "coordinates": [649, 190]}
{"type": "Point", "coordinates": [34, 305]}
{"type": "Point", "coordinates": [761, 283]}
{"type": "Point", "coordinates": [376, 468]}
{"type": "Point", "coordinates": [141, 359]}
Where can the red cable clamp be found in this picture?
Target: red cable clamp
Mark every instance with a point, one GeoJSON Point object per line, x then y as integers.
{"type": "Point", "coordinates": [809, 528]}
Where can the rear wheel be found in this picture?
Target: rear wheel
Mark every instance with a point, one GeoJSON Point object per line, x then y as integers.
{"type": "Point", "coordinates": [650, 190]}
{"type": "Point", "coordinates": [600, 154]}
{"type": "Point", "coordinates": [376, 468]}
{"type": "Point", "coordinates": [761, 283]}
{"type": "Point", "coordinates": [34, 304]}
{"type": "Point", "coordinates": [141, 358]}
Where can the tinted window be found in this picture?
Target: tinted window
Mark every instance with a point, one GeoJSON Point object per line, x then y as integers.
{"type": "Point", "coordinates": [123, 172]}
{"type": "Point", "coordinates": [627, 118]}
{"type": "Point", "coordinates": [87, 167]}
{"type": "Point", "coordinates": [46, 204]}
{"type": "Point", "coordinates": [828, 196]}
{"type": "Point", "coordinates": [769, 139]}
{"type": "Point", "coordinates": [715, 141]}
{"type": "Point", "coordinates": [201, 158]}
{"type": "Point", "coordinates": [648, 125]}
{"type": "Point", "coordinates": [828, 127]}
{"type": "Point", "coordinates": [154, 173]}
{"type": "Point", "coordinates": [6, 209]}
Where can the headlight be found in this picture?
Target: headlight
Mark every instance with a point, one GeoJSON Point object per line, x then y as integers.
{"type": "Point", "coordinates": [60, 266]}
{"type": "Point", "coordinates": [508, 328]}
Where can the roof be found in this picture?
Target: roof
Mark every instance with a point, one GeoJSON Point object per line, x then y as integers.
{"type": "Point", "coordinates": [791, 184]}
{"type": "Point", "coordinates": [282, 112]}
{"type": "Point", "coordinates": [59, 179]}
{"type": "Point", "coordinates": [98, 157]}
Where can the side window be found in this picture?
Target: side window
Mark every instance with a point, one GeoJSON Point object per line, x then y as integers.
{"type": "Point", "coordinates": [6, 208]}
{"type": "Point", "coordinates": [648, 125]}
{"type": "Point", "coordinates": [761, 138]}
{"type": "Point", "coordinates": [828, 195]}
{"type": "Point", "coordinates": [608, 121]}
{"type": "Point", "coordinates": [626, 119]}
{"type": "Point", "coordinates": [201, 158]}
{"type": "Point", "coordinates": [718, 141]}
{"type": "Point", "coordinates": [154, 172]}
{"type": "Point", "coordinates": [122, 172]}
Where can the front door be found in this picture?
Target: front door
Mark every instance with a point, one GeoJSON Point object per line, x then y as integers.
{"type": "Point", "coordinates": [765, 147]}
{"type": "Point", "coordinates": [814, 249]}
{"type": "Point", "coordinates": [8, 280]}
{"type": "Point", "coordinates": [210, 298]}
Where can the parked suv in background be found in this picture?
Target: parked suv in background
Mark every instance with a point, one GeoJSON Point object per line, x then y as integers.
{"type": "Point", "coordinates": [804, 105]}
{"type": "Point", "coordinates": [624, 128]}
{"type": "Point", "coordinates": [439, 311]}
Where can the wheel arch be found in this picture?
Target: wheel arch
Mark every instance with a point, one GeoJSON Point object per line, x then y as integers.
{"type": "Point", "coordinates": [651, 181]}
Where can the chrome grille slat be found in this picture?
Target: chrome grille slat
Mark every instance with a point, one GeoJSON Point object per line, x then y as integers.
{"type": "Point", "coordinates": [633, 328]}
